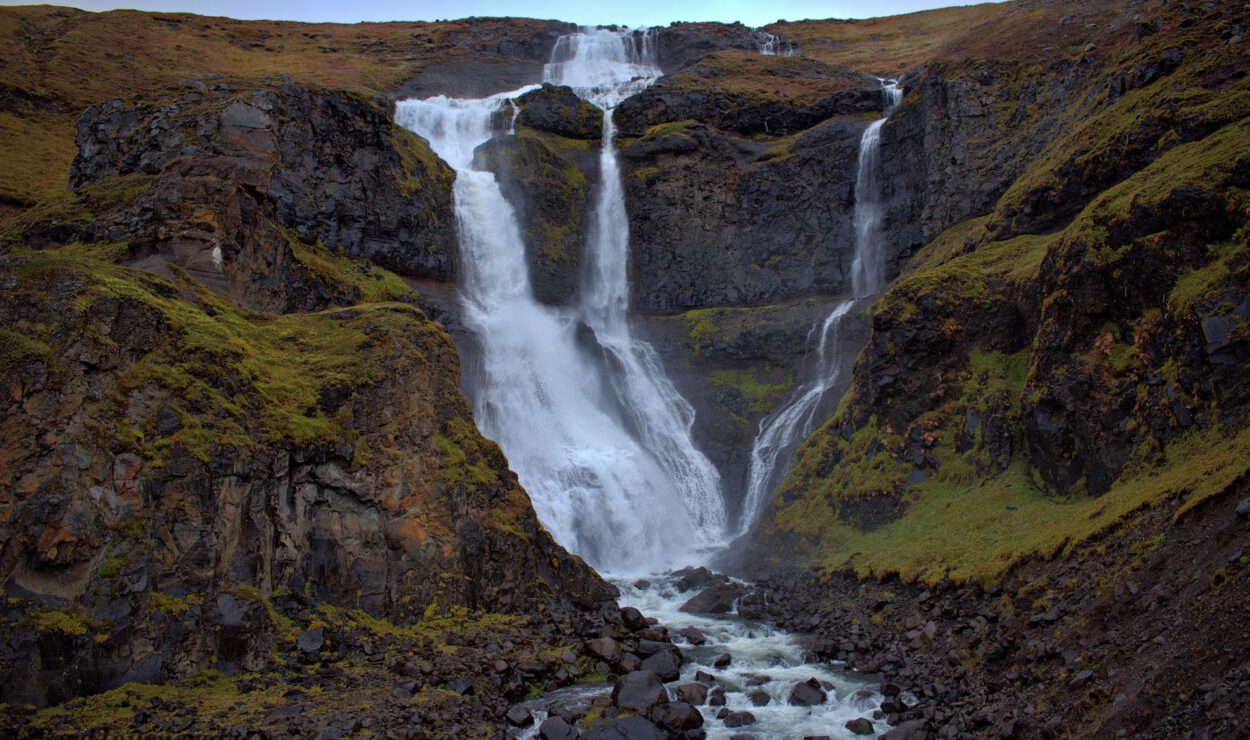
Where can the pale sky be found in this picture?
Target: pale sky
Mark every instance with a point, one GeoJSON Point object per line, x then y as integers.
{"type": "Point", "coordinates": [628, 12]}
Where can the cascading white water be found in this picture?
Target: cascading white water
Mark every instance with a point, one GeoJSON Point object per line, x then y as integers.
{"type": "Point", "coordinates": [627, 502]}
{"type": "Point", "coordinates": [784, 429]}
{"type": "Point", "coordinates": [765, 659]}
{"type": "Point", "coordinates": [605, 67]}
{"type": "Point", "coordinates": [771, 45]}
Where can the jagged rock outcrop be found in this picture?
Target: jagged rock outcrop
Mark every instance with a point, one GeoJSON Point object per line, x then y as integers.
{"type": "Point", "coordinates": [185, 479]}
{"type": "Point", "coordinates": [330, 166]}
{"type": "Point", "coordinates": [679, 45]}
{"type": "Point", "coordinates": [721, 221]}
{"type": "Point", "coordinates": [745, 93]}
{"type": "Point", "coordinates": [547, 171]}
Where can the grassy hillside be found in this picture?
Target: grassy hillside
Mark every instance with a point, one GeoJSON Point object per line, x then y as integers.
{"type": "Point", "coordinates": [1044, 369]}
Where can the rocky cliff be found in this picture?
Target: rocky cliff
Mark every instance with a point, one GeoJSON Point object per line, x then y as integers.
{"type": "Point", "coordinates": [229, 441]}
{"type": "Point", "coordinates": [1071, 350]}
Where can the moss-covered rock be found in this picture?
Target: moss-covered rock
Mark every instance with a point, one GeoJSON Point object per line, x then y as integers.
{"type": "Point", "coordinates": [548, 180]}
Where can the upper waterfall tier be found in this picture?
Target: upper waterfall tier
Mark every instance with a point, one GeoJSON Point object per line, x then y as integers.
{"type": "Point", "coordinates": [596, 432]}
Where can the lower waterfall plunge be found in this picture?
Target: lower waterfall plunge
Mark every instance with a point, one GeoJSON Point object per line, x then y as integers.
{"type": "Point", "coordinates": [627, 501]}
{"type": "Point", "coordinates": [785, 428]}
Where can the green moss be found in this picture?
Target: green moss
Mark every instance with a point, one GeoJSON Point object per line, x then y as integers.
{"type": "Point", "coordinates": [760, 396]}
{"type": "Point", "coordinates": [173, 606]}
{"type": "Point", "coordinates": [72, 622]}
{"type": "Point", "coordinates": [283, 625]}
{"type": "Point", "coordinates": [1203, 282]}
{"type": "Point", "coordinates": [976, 530]}
{"type": "Point", "coordinates": [369, 283]}
{"type": "Point", "coordinates": [18, 350]}
{"type": "Point", "coordinates": [241, 379]}
{"type": "Point", "coordinates": [465, 461]}
{"type": "Point", "coordinates": [81, 206]}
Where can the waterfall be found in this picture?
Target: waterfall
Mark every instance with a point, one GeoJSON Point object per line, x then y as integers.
{"type": "Point", "coordinates": [781, 431]}
{"type": "Point", "coordinates": [771, 45]}
{"type": "Point", "coordinates": [629, 495]}
{"type": "Point", "coordinates": [605, 67]}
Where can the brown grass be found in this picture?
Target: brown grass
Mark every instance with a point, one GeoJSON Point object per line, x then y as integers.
{"type": "Point", "coordinates": [1026, 32]}
{"type": "Point", "coordinates": [54, 62]}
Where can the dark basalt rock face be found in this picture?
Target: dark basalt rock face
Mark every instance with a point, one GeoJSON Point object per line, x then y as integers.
{"type": "Point", "coordinates": [696, 94]}
{"type": "Point", "coordinates": [547, 171]}
{"type": "Point", "coordinates": [679, 45]}
{"type": "Point", "coordinates": [556, 109]}
{"type": "Point", "coordinates": [331, 166]}
{"type": "Point", "coordinates": [497, 55]}
{"type": "Point", "coordinates": [191, 480]}
{"type": "Point", "coordinates": [721, 221]}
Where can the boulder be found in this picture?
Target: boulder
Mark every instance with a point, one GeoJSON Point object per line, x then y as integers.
{"type": "Point", "coordinates": [310, 641]}
{"type": "Point", "coordinates": [860, 726]}
{"type": "Point", "coordinates": [557, 109]}
{"type": "Point", "coordinates": [633, 619]}
{"type": "Point", "coordinates": [681, 717]}
{"type": "Point", "coordinates": [808, 693]}
{"type": "Point", "coordinates": [739, 719]}
{"type": "Point", "coordinates": [626, 728]}
{"type": "Point", "coordinates": [691, 693]}
{"type": "Point", "coordinates": [519, 717]}
{"type": "Point", "coordinates": [666, 664]}
{"type": "Point", "coordinates": [639, 691]}
{"type": "Point", "coordinates": [556, 728]}
{"type": "Point", "coordinates": [717, 599]}
{"type": "Point", "coordinates": [605, 648]}
{"type": "Point", "coordinates": [692, 635]}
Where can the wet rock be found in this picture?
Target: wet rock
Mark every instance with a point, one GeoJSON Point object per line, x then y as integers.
{"type": "Point", "coordinates": [716, 698]}
{"type": "Point", "coordinates": [691, 693]}
{"type": "Point", "coordinates": [605, 648]}
{"type": "Point", "coordinates": [739, 719]}
{"type": "Point", "coordinates": [639, 691]}
{"type": "Point", "coordinates": [633, 619]}
{"type": "Point", "coordinates": [860, 726]}
{"type": "Point", "coordinates": [717, 599]}
{"type": "Point", "coordinates": [704, 677]}
{"type": "Point", "coordinates": [651, 647]}
{"type": "Point", "coordinates": [666, 664]}
{"type": "Point", "coordinates": [694, 636]}
{"type": "Point", "coordinates": [681, 717]}
{"type": "Point", "coordinates": [689, 579]}
{"type": "Point", "coordinates": [630, 662]}
{"type": "Point", "coordinates": [808, 693]}
{"type": "Point", "coordinates": [519, 717]}
{"type": "Point", "coordinates": [558, 110]}
{"type": "Point", "coordinates": [555, 728]}
{"type": "Point", "coordinates": [626, 728]}
{"type": "Point", "coordinates": [722, 661]}
{"type": "Point", "coordinates": [759, 697]}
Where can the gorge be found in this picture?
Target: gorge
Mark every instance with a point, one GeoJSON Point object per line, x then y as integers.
{"type": "Point", "coordinates": [398, 379]}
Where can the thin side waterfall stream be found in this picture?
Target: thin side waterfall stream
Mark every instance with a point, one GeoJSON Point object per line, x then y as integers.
{"type": "Point", "coordinates": [782, 431]}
